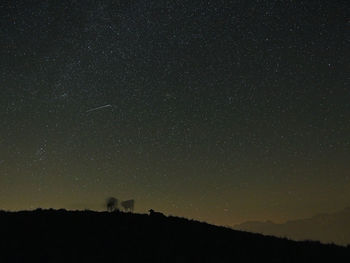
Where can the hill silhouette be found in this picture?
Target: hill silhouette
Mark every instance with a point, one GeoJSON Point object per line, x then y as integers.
{"type": "Point", "coordinates": [328, 228]}
{"type": "Point", "coordinates": [88, 236]}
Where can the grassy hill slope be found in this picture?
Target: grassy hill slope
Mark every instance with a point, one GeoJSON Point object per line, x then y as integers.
{"type": "Point", "coordinates": [87, 236]}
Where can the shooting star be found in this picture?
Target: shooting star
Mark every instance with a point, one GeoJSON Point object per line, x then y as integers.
{"type": "Point", "coordinates": [99, 108]}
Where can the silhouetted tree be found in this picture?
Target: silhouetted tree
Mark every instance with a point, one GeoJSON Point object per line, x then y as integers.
{"type": "Point", "coordinates": [128, 205]}
{"type": "Point", "coordinates": [111, 204]}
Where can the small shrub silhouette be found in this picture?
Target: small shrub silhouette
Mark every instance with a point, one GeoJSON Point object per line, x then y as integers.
{"type": "Point", "coordinates": [155, 214]}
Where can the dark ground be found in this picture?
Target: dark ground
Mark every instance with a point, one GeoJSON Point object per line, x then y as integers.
{"type": "Point", "coordinates": [86, 236]}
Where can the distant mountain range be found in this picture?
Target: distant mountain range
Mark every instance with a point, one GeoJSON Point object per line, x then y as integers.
{"type": "Point", "coordinates": [88, 236]}
{"type": "Point", "coordinates": [327, 228]}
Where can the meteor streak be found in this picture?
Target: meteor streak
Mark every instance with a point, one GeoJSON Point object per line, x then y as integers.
{"type": "Point", "coordinates": [99, 108]}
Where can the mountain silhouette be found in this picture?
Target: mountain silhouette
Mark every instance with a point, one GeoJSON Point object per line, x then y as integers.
{"type": "Point", "coordinates": [328, 228]}
{"type": "Point", "coordinates": [88, 236]}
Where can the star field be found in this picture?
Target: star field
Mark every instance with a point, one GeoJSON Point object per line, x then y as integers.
{"type": "Point", "coordinates": [222, 111]}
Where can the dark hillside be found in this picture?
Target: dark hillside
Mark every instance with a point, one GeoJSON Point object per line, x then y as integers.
{"type": "Point", "coordinates": [86, 236]}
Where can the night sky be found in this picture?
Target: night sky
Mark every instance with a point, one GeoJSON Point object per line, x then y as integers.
{"type": "Point", "coordinates": [222, 111]}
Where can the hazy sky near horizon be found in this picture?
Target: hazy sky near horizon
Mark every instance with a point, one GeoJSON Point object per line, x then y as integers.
{"type": "Point", "coordinates": [223, 111]}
